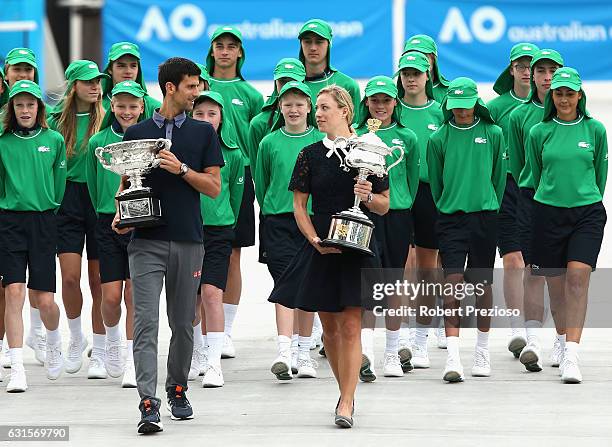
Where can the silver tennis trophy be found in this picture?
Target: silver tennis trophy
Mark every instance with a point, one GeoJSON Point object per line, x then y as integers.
{"type": "Point", "coordinates": [138, 207]}
{"type": "Point", "coordinates": [352, 229]}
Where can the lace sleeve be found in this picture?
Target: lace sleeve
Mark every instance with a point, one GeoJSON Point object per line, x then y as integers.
{"type": "Point", "coordinates": [379, 184]}
{"type": "Point", "coordinates": [300, 179]}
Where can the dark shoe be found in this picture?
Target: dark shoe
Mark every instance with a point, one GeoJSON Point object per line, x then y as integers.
{"type": "Point", "coordinates": [343, 421]}
{"type": "Point", "coordinates": [366, 373]}
{"type": "Point", "coordinates": [178, 405]}
{"type": "Point", "coordinates": [150, 421]}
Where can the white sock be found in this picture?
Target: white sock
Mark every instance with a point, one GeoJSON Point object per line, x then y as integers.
{"type": "Point", "coordinates": [294, 342]}
{"type": "Point", "coordinates": [112, 332]}
{"type": "Point", "coordinates": [391, 342]}
{"type": "Point", "coordinates": [516, 322]}
{"type": "Point", "coordinates": [482, 339]}
{"type": "Point", "coordinates": [204, 341]}
{"type": "Point", "coordinates": [16, 356]}
{"type": "Point", "coordinates": [420, 336]}
{"type": "Point", "coordinates": [404, 332]}
{"type": "Point", "coordinates": [35, 321]}
{"type": "Point", "coordinates": [571, 350]}
{"type": "Point", "coordinates": [533, 329]}
{"type": "Point", "coordinates": [284, 344]}
{"type": "Point", "coordinates": [304, 347]}
{"type": "Point", "coordinates": [130, 350]}
{"type": "Point", "coordinates": [215, 346]}
{"type": "Point", "coordinates": [367, 340]}
{"type": "Point", "coordinates": [316, 323]}
{"type": "Point", "coordinates": [229, 311]}
{"type": "Point", "coordinates": [53, 337]}
{"type": "Point", "coordinates": [198, 341]}
{"type": "Point", "coordinates": [99, 345]}
{"type": "Point", "coordinates": [561, 339]}
{"type": "Point", "coordinates": [452, 346]}
{"type": "Point", "coordinates": [74, 324]}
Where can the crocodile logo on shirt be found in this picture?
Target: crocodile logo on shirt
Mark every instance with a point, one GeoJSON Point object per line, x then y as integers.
{"type": "Point", "coordinates": [397, 141]}
{"type": "Point", "coordinates": [240, 180]}
{"type": "Point", "coordinates": [62, 164]}
{"type": "Point", "coordinates": [480, 140]}
{"type": "Point", "coordinates": [458, 92]}
{"type": "Point", "coordinates": [505, 155]}
{"type": "Point", "coordinates": [237, 102]}
{"type": "Point", "coordinates": [43, 149]}
{"type": "Point", "coordinates": [584, 145]}
{"type": "Point", "coordinates": [432, 127]}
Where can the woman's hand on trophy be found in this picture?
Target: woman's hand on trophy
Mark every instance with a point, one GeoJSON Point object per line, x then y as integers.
{"type": "Point", "coordinates": [119, 230]}
{"type": "Point", "coordinates": [316, 243]}
{"type": "Point", "coordinates": [363, 189]}
{"type": "Point", "coordinates": [169, 162]}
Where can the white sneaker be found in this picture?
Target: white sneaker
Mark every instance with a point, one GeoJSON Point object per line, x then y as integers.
{"type": "Point", "coordinates": [531, 357]}
{"type": "Point", "coordinates": [306, 368]}
{"type": "Point", "coordinates": [453, 371]}
{"type": "Point", "coordinates": [570, 372]}
{"type": "Point", "coordinates": [441, 336]}
{"type": "Point", "coordinates": [392, 366]}
{"type": "Point", "coordinates": [74, 357]}
{"type": "Point", "coordinates": [129, 374]}
{"type": "Point", "coordinates": [482, 363]}
{"type": "Point", "coordinates": [316, 339]}
{"type": "Point", "coordinates": [420, 357]}
{"type": "Point", "coordinates": [281, 367]}
{"type": "Point", "coordinates": [5, 360]}
{"type": "Point", "coordinates": [54, 361]}
{"type": "Point", "coordinates": [113, 360]}
{"type": "Point", "coordinates": [517, 342]}
{"type": "Point", "coordinates": [38, 343]}
{"type": "Point", "coordinates": [96, 367]}
{"type": "Point", "coordinates": [228, 351]}
{"type": "Point", "coordinates": [556, 356]}
{"type": "Point", "coordinates": [198, 363]}
{"type": "Point", "coordinates": [213, 377]}
{"type": "Point", "coordinates": [17, 382]}
{"type": "Point", "coordinates": [294, 361]}
{"type": "Point", "coordinates": [366, 371]}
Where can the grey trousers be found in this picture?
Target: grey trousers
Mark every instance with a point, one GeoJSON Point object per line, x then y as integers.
{"type": "Point", "coordinates": [180, 263]}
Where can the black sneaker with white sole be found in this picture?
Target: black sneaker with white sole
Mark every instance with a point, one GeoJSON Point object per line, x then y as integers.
{"type": "Point", "coordinates": [150, 422]}
{"type": "Point", "coordinates": [178, 405]}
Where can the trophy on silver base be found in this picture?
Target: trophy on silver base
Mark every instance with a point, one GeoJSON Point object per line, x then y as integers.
{"type": "Point", "coordinates": [352, 229]}
{"type": "Point", "coordinates": [137, 205]}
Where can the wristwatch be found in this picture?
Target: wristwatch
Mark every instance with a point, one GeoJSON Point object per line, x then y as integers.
{"type": "Point", "coordinates": [184, 169]}
{"type": "Point", "coordinates": [370, 197]}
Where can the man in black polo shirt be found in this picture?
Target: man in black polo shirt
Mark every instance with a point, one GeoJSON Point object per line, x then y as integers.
{"type": "Point", "coordinates": [173, 251]}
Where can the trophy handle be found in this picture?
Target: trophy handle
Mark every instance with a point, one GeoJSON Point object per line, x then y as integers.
{"type": "Point", "coordinates": [100, 151]}
{"type": "Point", "coordinates": [401, 157]}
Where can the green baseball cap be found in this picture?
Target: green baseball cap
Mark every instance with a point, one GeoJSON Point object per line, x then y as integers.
{"type": "Point", "coordinates": [83, 70]}
{"type": "Point", "coordinates": [422, 43]}
{"type": "Point", "coordinates": [378, 84]}
{"type": "Point", "coordinates": [463, 94]}
{"type": "Point", "coordinates": [129, 87]}
{"type": "Point", "coordinates": [26, 87]}
{"type": "Point", "coordinates": [210, 60]}
{"type": "Point", "coordinates": [418, 61]}
{"type": "Point", "coordinates": [290, 67]}
{"type": "Point", "coordinates": [565, 77]}
{"type": "Point", "coordinates": [543, 54]}
{"type": "Point", "coordinates": [116, 51]}
{"type": "Point", "coordinates": [321, 28]}
{"type": "Point", "coordinates": [505, 81]}
{"type": "Point", "coordinates": [226, 131]}
{"type": "Point", "coordinates": [22, 55]}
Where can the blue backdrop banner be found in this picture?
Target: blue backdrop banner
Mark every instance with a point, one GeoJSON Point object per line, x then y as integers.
{"type": "Point", "coordinates": [165, 28]}
{"type": "Point", "coordinates": [474, 37]}
{"type": "Point", "coordinates": [21, 26]}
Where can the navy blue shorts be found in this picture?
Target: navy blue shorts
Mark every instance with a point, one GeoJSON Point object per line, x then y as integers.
{"type": "Point", "coordinates": [217, 252]}
{"type": "Point", "coordinates": [425, 216]}
{"type": "Point", "coordinates": [112, 248]}
{"type": "Point", "coordinates": [524, 219]}
{"type": "Point", "coordinates": [284, 239]}
{"type": "Point", "coordinates": [508, 235]}
{"type": "Point", "coordinates": [76, 222]}
{"type": "Point", "coordinates": [393, 236]}
{"type": "Point", "coordinates": [244, 232]}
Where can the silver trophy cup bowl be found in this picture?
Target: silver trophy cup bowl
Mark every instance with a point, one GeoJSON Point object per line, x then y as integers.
{"type": "Point", "coordinates": [138, 207]}
{"type": "Point", "coordinates": [352, 229]}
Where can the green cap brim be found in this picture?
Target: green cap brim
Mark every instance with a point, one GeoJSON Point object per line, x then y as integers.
{"type": "Point", "coordinates": [480, 110]}
{"type": "Point", "coordinates": [460, 103]}
{"type": "Point", "coordinates": [19, 60]}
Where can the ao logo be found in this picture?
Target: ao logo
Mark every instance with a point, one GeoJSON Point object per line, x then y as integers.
{"type": "Point", "coordinates": [186, 22]}
{"type": "Point", "coordinates": [487, 24]}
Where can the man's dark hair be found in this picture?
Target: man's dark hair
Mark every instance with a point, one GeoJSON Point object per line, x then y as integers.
{"type": "Point", "coordinates": [174, 70]}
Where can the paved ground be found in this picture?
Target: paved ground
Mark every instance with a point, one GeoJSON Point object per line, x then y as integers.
{"type": "Point", "coordinates": [510, 408]}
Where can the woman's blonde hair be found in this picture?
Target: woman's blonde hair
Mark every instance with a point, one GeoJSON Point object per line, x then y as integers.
{"type": "Point", "coordinates": [342, 98]}
{"type": "Point", "coordinates": [67, 122]}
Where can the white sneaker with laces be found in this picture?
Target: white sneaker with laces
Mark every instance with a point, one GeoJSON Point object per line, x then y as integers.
{"type": "Point", "coordinates": [196, 364]}
{"type": "Point", "coordinates": [556, 355]}
{"type": "Point", "coordinates": [294, 361]}
{"type": "Point", "coordinates": [420, 357]}
{"type": "Point", "coordinates": [74, 357]}
{"type": "Point", "coordinates": [54, 361]}
{"type": "Point", "coordinates": [38, 343]}
{"type": "Point", "coordinates": [441, 337]}
{"type": "Point", "coordinates": [482, 363]}
{"type": "Point", "coordinates": [17, 382]}
{"type": "Point", "coordinates": [392, 366]}
{"type": "Point", "coordinates": [228, 351]}
{"type": "Point", "coordinates": [307, 368]}
{"type": "Point", "coordinates": [113, 358]}
{"type": "Point", "coordinates": [517, 342]}
{"type": "Point", "coordinates": [570, 372]}
{"type": "Point", "coordinates": [281, 367]}
{"type": "Point", "coordinates": [129, 374]}
{"type": "Point", "coordinates": [213, 377]}
{"type": "Point", "coordinates": [531, 356]}
{"type": "Point", "coordinates": [453, 371]}
{"type": "Point", "coordinates": [96, 367]}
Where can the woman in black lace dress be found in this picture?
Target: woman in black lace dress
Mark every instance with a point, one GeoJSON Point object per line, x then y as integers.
{"type": "Point", "coordinates": [323, 279]}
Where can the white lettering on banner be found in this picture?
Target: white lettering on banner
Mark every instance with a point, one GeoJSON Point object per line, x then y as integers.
{"type": "Point", "coordinates": [277, 28]}
{"type": "Point", "coordinates": [187, 22]}
{"type": "Point", "coordinates": [574, 31]}
{"type": "Point", "coordinates": [487, 24]}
